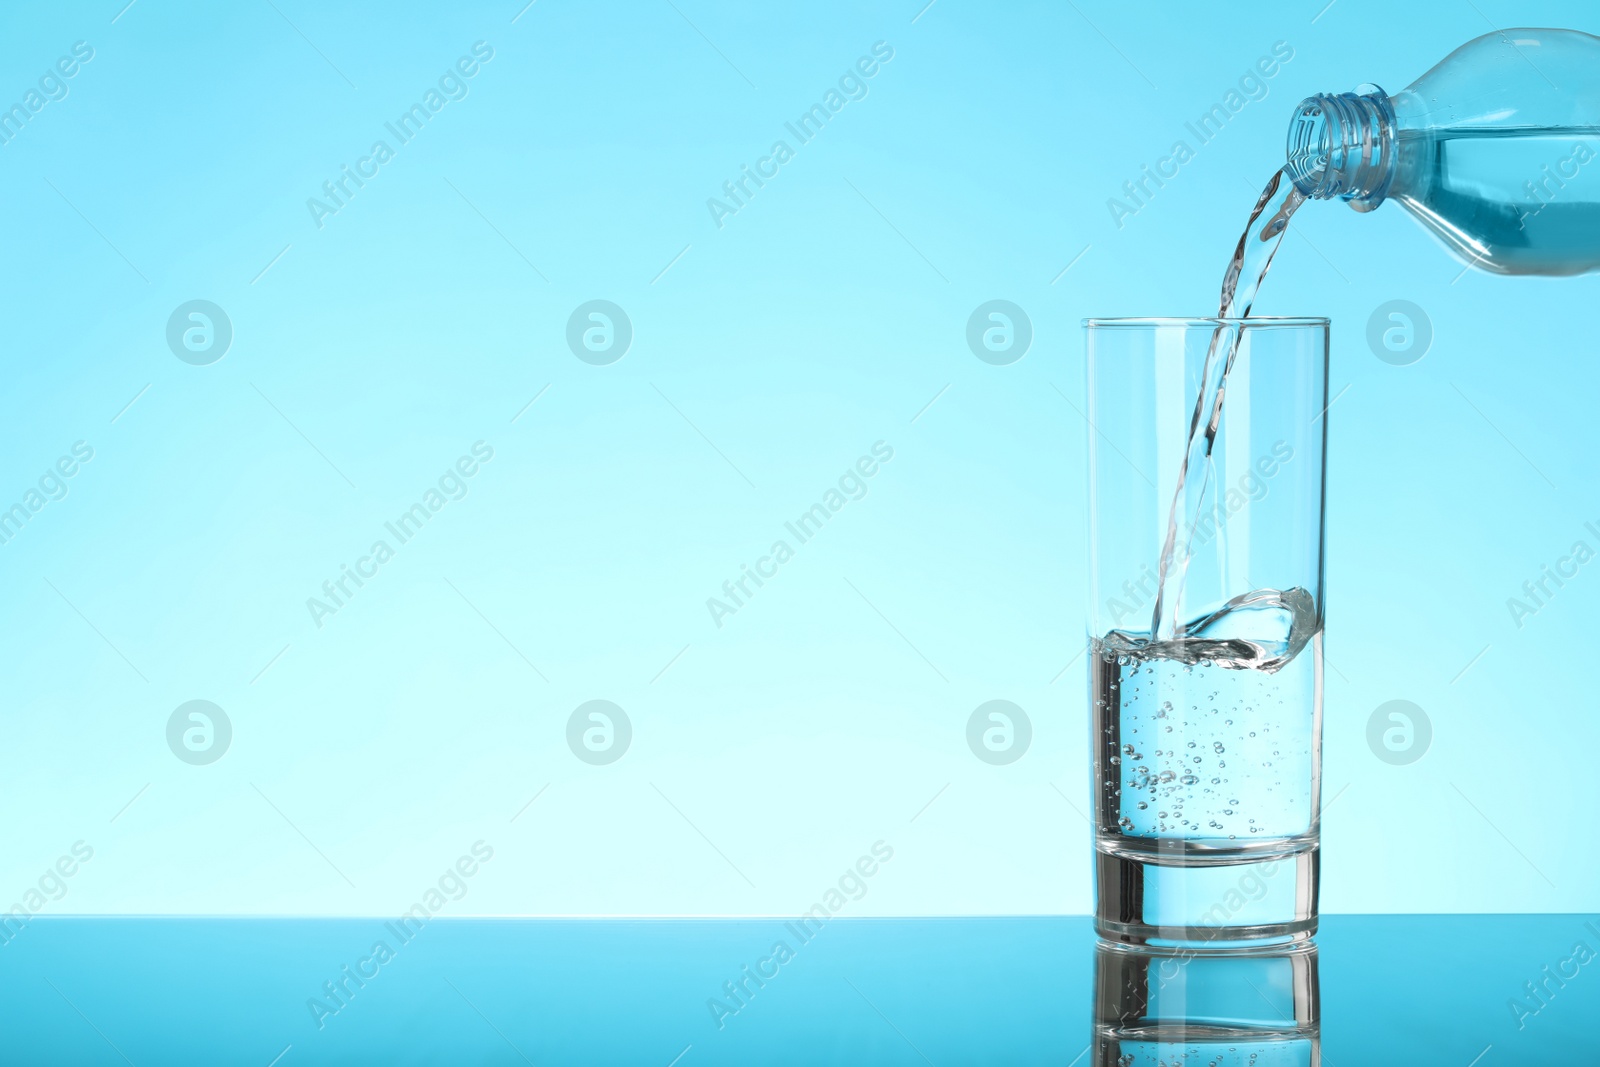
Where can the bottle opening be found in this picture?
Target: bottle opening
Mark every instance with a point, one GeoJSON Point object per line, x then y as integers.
{"type": "Point", "coordinates": [1308, 147]}
{"type": "Point", "coordinates": [1343, 145]}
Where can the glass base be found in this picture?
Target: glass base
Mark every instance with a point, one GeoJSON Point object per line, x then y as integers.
{"type": "Point", "coordinates": [1164, 900]}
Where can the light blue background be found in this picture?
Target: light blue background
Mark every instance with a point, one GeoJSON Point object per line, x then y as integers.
{"type": "Point", "coordinates": [831, 711]}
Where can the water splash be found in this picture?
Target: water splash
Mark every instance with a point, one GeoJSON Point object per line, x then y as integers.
{"type": "Point", "coordinates": [1278, 622]}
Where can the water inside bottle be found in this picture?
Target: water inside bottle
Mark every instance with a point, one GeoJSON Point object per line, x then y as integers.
{"type": "Point", "coordinates": [1518, 200]}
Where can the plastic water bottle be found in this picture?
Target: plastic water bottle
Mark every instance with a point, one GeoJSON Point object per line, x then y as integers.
{"type": "Point", "coordinates": [1494, 151]}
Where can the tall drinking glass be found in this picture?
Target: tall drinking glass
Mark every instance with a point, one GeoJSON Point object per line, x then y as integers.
{"type": "Point", "coordinates": [1205, 626]}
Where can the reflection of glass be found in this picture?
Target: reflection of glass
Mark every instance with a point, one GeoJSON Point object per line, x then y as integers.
{"type": "Point", "coordinates": [1173, 1007]}
{"type": "Point", "coordinates": [1205, 537]}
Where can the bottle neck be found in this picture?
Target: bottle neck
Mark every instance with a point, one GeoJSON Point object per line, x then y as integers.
{"type": "Point", "coordinates": [1343, 145]}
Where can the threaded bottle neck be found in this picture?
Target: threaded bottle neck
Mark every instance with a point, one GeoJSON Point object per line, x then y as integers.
{"type": "Point", "coordinates": [1343, 145]}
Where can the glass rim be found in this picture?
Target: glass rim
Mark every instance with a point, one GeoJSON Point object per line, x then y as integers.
{"type": "Point", "coordinates": [1259, 322]}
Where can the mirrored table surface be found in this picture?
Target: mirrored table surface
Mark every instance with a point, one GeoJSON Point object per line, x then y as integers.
{"type": "Point", "coordinates": [1459, 991]}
